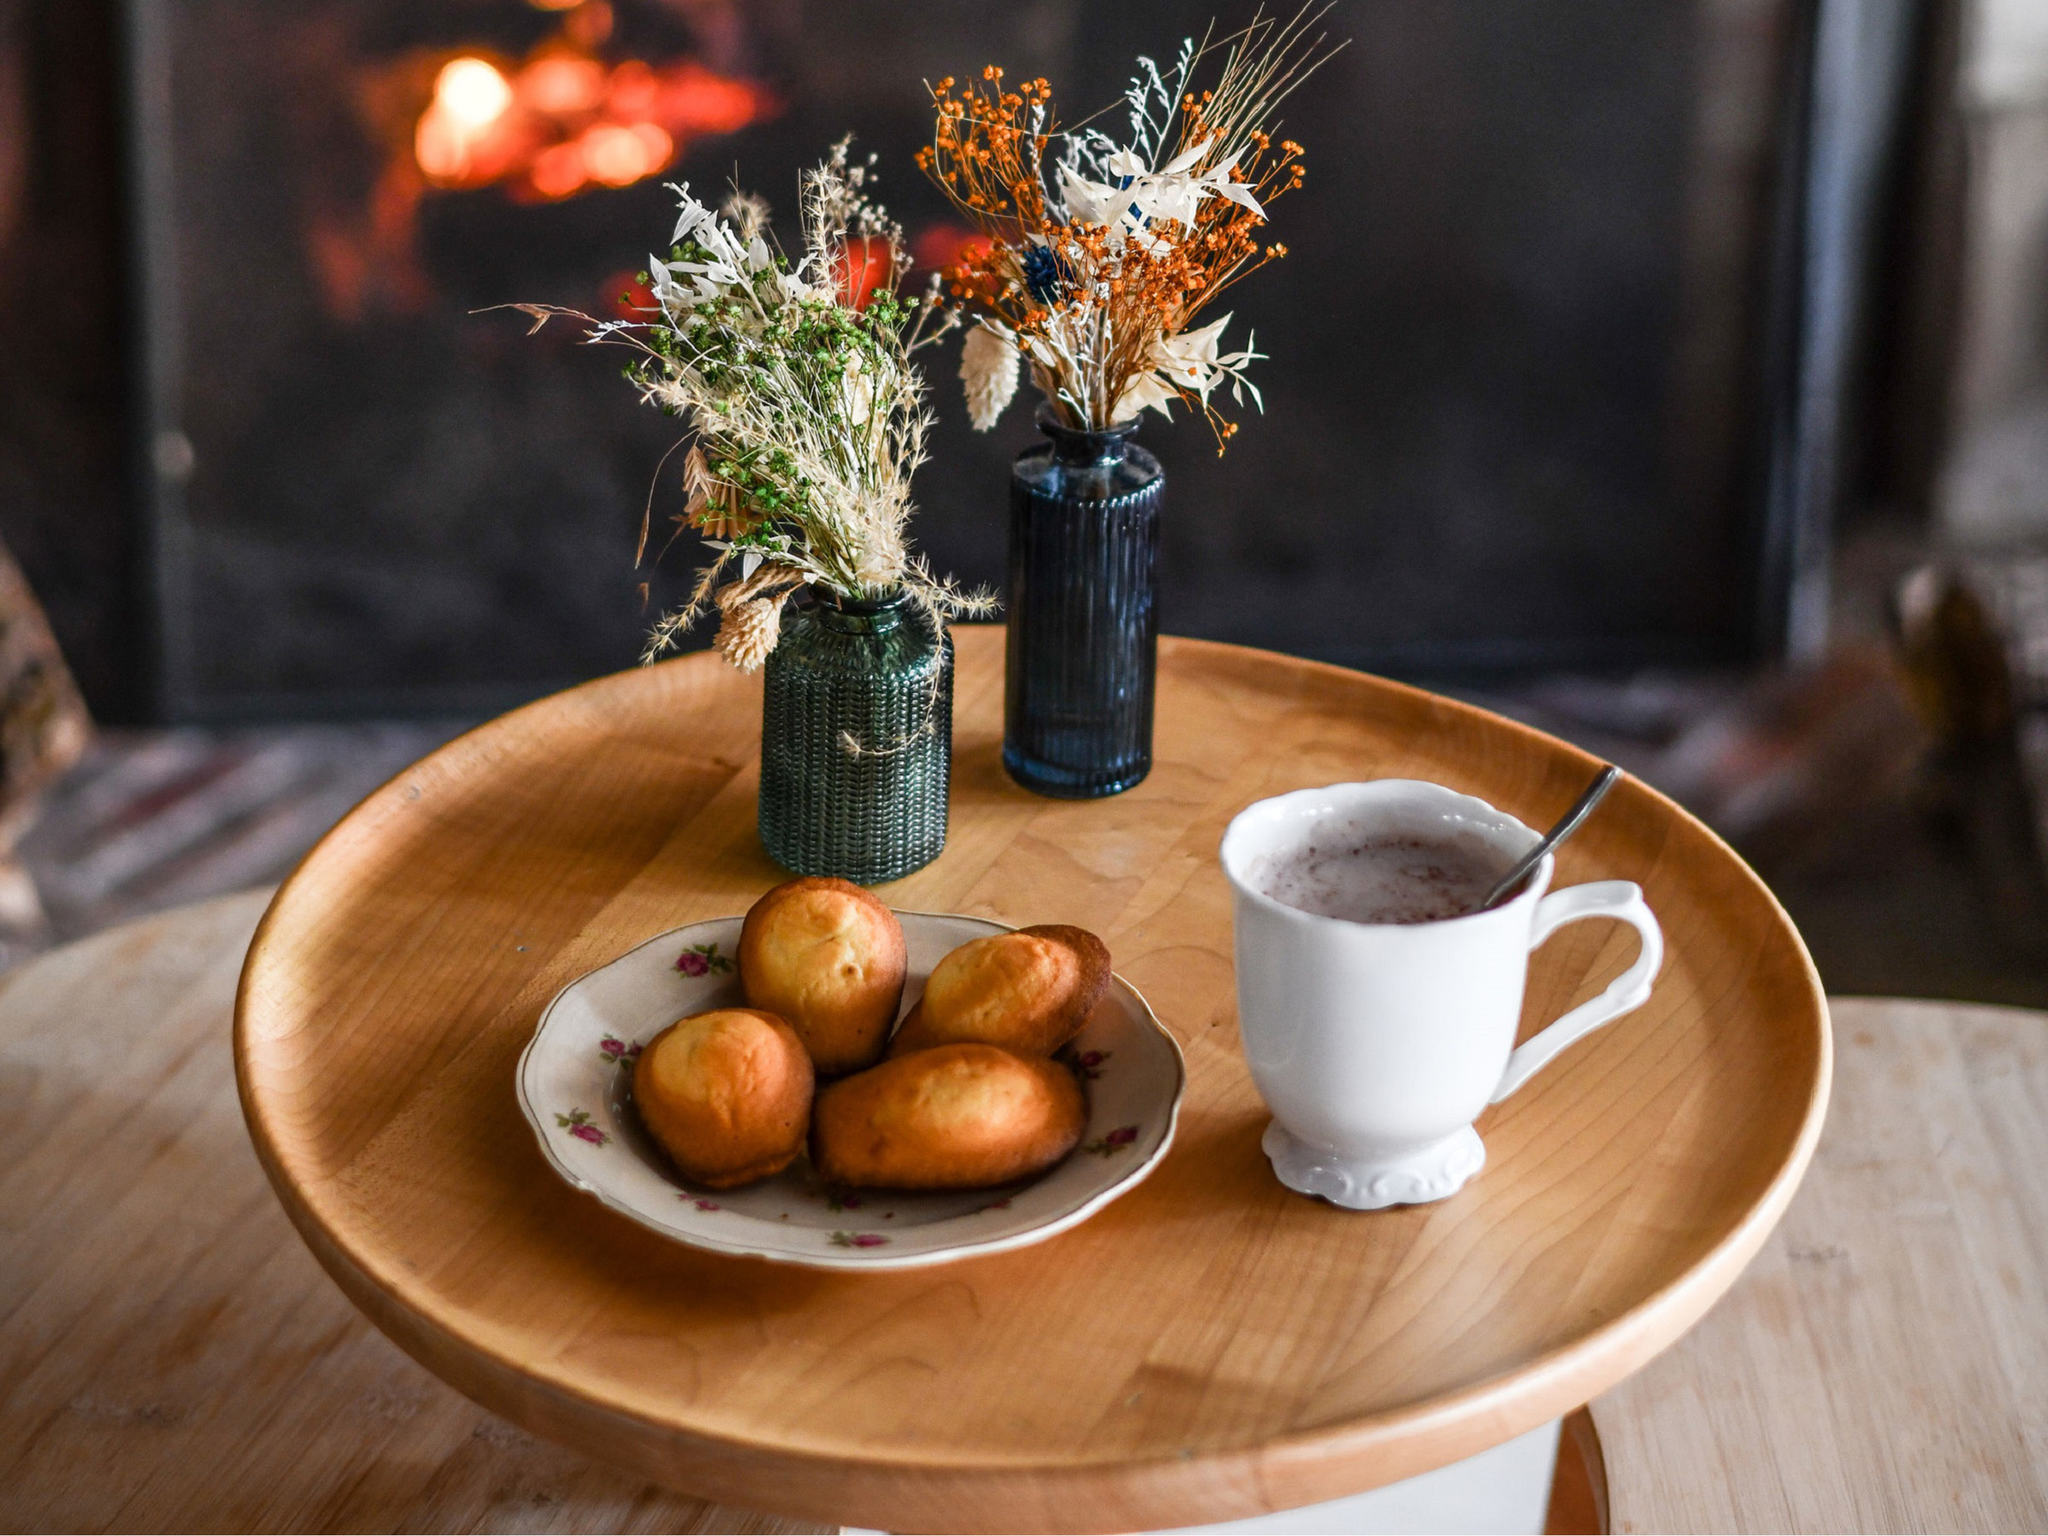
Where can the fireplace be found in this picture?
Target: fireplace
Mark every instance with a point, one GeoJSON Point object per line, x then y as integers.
{"type": "Point", "coordinates": [1529, 357]}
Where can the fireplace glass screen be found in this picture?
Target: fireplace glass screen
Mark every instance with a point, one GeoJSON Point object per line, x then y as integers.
{"type": "Point", "coordinates": [1505, 419]}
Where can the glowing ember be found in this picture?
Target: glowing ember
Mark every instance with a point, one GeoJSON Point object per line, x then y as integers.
{"type": "Point", "coordinates": [562, 121]}
{"type": "Point", "coordinates": [618, 157]}
{"type": "Point", "coordinates": [560, 86]}
{"type": "Point", "coordinates": [472, 92]}
{"type": "Point", "coordinates": [470, 95]}
{"type": "Point", "coordinates": [558, 170]}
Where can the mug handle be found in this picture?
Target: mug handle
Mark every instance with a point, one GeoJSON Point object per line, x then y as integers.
{"type": "Point", "coordinates": [1622, 899]}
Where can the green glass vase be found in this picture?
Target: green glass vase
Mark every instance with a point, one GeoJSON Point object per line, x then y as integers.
{"type": "Point", "coordinates": [856, 738]}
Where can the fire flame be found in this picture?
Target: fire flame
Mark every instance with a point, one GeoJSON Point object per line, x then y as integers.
{"type": "Point", "coordinates": [563, 121]}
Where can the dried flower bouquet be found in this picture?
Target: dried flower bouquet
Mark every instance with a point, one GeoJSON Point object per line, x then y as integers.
{"type": "Point", "coordinates": [1097, 257]}
{"type": "Point", "coordinates": [808, 415]}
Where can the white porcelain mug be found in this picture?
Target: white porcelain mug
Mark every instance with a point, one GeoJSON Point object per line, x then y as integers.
{"type": "Point", "coordinates": [1376, 1045]}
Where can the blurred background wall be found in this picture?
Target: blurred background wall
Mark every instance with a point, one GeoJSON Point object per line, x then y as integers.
{"type": "Point", "coordinates": [1672, 376]}
{"type": "Point", "coordinates": [1994, 489]}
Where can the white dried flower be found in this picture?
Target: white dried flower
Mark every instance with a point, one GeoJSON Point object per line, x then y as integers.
{"type": "Point", "coordinates": [1192, 361]}
{"type": "Point", "coordinates": [989, 367]}
{"type": "Point", "coordinates": [808, 410]}
{"type": "Point", "coordinates": [748, 629]}
{"type": "Point", "coordinates": [883, 559]}
{"type": "Point", "coordinates": [1145, 390]}
{"type": "Point", "coordinates": [858, 391]}
{"type": "Point", "coordinates": [1138, 196]}
{"type": "Point", "coordinates": [746, 212]}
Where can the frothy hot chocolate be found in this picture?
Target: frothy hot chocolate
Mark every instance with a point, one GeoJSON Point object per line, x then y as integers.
{"type": "Point", "coordinates": [1380, 877]}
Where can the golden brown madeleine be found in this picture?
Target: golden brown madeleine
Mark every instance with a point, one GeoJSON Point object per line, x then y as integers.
{"type": "Point", "coordinates": [953, 1117]}
{"type": "Point", "coordinates": [1029, 991]}
{"type": "Point", "coordinates": [829, 957]}
{"type": "Point", "coordinates": [727, 1094]}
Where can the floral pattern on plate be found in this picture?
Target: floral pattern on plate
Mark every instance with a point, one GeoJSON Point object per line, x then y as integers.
{"type": "Point", "coordinates": [577, 1124]}
{"type": "Point", "coordinates": [580, 1105]}
{"type": "Point", "coordinates": [703, 960]}
{"type": "Point", "coordinates": [1122, 1139]}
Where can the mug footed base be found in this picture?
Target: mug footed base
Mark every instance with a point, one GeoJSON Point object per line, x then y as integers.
{"type": "Point", "coordinates": [1413, 1178]}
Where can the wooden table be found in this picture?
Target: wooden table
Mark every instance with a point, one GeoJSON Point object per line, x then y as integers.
{"type": "Point", "coordinates": [1209, 1346]}
{"type": "Point", "coordinates": [1883, 1365]}
{"type": "Point", "coordinates": [171, 1358]}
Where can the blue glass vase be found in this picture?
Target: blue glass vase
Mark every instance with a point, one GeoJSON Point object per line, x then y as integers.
{"type": "Point", "coordinates": [1083, 612]}
{"type": "Point", "coordinates": [856, 738]}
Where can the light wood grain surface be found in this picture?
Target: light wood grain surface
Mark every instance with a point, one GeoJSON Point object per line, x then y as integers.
{"type": "Point", "coordinates": [1210, 1346]}
{"type": "Point", "coordinates": [1883, 1365]}
{"type": "Point", "coordinates": [171, 1358]}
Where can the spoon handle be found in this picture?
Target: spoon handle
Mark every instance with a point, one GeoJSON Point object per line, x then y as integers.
{"type": "Point", "coordinates": [1581, 809]}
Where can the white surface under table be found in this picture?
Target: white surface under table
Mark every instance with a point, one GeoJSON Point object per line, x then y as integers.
{"type": "Point", "coordinates": [1504, 1490]}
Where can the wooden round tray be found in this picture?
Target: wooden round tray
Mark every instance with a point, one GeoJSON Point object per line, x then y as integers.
{"type": "Point", "coordinates": [1209, 1347]}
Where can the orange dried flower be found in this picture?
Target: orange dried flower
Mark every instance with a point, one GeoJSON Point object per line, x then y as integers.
{"type": "Point", "coordinates": [1095, 287]}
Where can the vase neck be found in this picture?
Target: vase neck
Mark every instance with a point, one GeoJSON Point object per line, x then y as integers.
{"type": "Point", "coordinates": [1085, 447]}
{"type": "Point", "coordinates": [859, 615]}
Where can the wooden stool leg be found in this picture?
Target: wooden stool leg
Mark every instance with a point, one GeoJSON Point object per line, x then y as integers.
{"type": "Point", "coordinates": [1578, 1488]}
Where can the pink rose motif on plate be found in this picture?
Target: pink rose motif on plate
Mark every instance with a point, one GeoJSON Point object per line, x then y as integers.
{"type": "Point", "coordinates": [706, 1205]}
{"type": "Point", "coordinates": [577, 1124]}
{"type": "Point", "coordinates": [1118, 1140]}
{"type": "Point", "coordinates": [858, 1240]}
{"type": "Point", "coordinates": [617, 1051]}
{"type": "Point", "coordinates": [842, 1200]}
{"type": "Point", "coordinates": [702, 960]}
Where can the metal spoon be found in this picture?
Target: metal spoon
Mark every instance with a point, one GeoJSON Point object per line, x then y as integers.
{"type": "Point", "coordinates": [1567, 824]}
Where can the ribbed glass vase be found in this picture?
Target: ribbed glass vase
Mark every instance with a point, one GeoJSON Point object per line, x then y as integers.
{"type": "Point", "coordinates": [856, 738]}
{"type": "Point", "coordinates": [1083, 612]}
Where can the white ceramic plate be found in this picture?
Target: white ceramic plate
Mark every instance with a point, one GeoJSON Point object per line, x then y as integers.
{"type": "Point", "coordinates": [575, 1081]}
